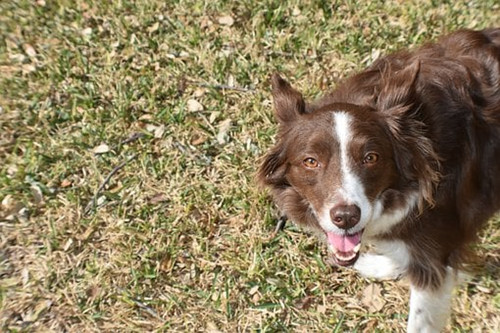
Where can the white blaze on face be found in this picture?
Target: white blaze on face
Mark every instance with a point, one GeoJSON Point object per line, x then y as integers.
{"type": "Point", "coordinates": [351, 190]}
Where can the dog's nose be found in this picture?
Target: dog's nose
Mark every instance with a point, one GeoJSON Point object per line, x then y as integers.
{"type": "Point", "coordinates": [345, 216]}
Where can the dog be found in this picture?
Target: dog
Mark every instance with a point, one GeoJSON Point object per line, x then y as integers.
{"type": "Point", "coordinates": [398, 168]}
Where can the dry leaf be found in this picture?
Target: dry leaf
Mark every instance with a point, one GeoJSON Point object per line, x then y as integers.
{"type": "Point", "coordinates": [28, 68]}
{"type": "Point", "coordinates": [304, 303]}
{"type": "Point", "coordinates": [231, 81]}
{"type": "Point", "coordinates": [25, 276]}
{"type": "Point", "coordinates": [68, 244]}
{"type": "Point", "coordinates": [42, 306]}
{"type": "Point", "coordinates": [212, 328]}
{"type": "Point", "coordinates": [87, 32]}
{"type": "Point", "coordinates": [65, 183]}
{"type": "Point", "coordinates": [226, 20]}
{"type": "Point", "coordinates": [158, 198]}
{"type": "Point", "coordinates": [198, 139]}
{"type": "Point", "coordinates": [7, 202]}
{"type": "Point", "coordinates": [154, 27]}
{"type": "Point", "coordinates": [372, 298]}
{"type": "Point", "coordinates": [224, 127]}
{"type": "Point", "coordinates": [253, 290]}
{"type": "Point", "coordinates": [213, 116]}
{"type": "Point", "coordinates": [156, 130]}
{"type": "Point", "coordinates": [30, 51]}
{"type": "Point", "coordinates": [101, 149]}
{"type": "Point", "coordinates": [37, 194]}
{"type": "Point", "coordinates": [205, 22]}
{"type": "Point", "coordinates": [194, 106]}
{"type": "Point", "coordinates": [199, 92]}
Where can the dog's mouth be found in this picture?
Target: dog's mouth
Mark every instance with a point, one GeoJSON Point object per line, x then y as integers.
{"type": "Point", "coordinates": [344, 248]}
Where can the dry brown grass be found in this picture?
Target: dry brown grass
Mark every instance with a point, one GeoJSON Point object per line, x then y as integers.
{"type": "Point", "coordinates": [179, 239]}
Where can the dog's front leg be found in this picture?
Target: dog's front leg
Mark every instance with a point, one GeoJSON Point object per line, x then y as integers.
{"type": "Point", "coordinates": [377, 266]}
{"type": "Point", "coordinates": [430, 308]}
{"type": "Point", "coordinates": [389, 262]}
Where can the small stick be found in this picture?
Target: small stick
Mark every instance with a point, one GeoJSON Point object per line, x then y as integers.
{"type": "Point", "coordinates": [133, 137]}
{"type": "Point", "coordinates": [222, 87]}
{"type": "Point", "coordinates": [92, 203]}
{"type": "Point", "coordinates": [142, 305]}
{"type": "Point", "coordinates": [147, 309]}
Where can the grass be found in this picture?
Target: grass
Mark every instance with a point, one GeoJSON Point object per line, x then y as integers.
{"type": "Point", "coordinates": [179, 238]}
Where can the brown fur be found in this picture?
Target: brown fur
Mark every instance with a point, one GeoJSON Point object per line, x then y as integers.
{"type": "Point", "coordinates": [439, 107]}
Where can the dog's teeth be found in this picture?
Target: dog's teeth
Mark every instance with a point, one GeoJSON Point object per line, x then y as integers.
{"type": "Point", "coordinates": [357, 247]}
{"type": "Point", "coordinates": [341, 257]}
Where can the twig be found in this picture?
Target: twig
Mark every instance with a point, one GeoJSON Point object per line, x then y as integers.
{"type": "Point", "coordinates": [132, 138]}
{"type": "Point", "coordinates": [93, 203]}
{"type": "Point", "coordinates": [142, 305]}
{"type": "Point", "coordinates": [222, 87]}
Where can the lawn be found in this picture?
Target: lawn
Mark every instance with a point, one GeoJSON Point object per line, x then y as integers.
{"type": "Point", "coordinates": [130, 134]}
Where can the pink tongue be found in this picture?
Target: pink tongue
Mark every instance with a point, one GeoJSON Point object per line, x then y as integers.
{"type": "Point", "coordinates": [344, 243]}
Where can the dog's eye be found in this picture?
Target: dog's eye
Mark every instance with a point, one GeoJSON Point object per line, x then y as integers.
{"type": "Point", "coordinates": [370, 158]}
{"type": "Point", "coordinates": [310, 163]}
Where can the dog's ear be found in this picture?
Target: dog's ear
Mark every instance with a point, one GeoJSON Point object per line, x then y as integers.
{"type": "Point", "coordinates": [415, 156]}
{"type": "Point", "coordinates": [288, 102]}
{"type": "Point", "coordinates": [273, 168]}
{"type": "Point", "coordinates": [398, 88]}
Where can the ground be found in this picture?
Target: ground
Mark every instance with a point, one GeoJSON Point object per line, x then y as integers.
{"type": "Point", "coordinates": [130, 133]}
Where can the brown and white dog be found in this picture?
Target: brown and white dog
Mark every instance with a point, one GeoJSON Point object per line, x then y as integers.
{"type": "Point", "coordinates": [404, 156]}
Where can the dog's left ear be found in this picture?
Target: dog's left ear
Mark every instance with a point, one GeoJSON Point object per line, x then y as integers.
{"type": "Point", "coordinates": [398, 89]}
{"type": "Point", "coordinates": [416, 158]}
{"type": "Point", "coordinates": [288, 102]}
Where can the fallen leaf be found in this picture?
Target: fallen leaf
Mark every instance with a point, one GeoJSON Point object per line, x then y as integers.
{"type": "Point", "coordinates": [194, 106]}
{"type": "Point", "coordinates": [87, 32]}
{"type": "Point", "coordinates": [28, 68]}
{"type": "Point", "coordinates": [213, 116]}
{"type": "Point", "coordinates": [158, 198]}
{"type": "Point", "coordinates": [304, 303]}
{"type": "Point", "coordinates": [30, 50]}
{"type": "Point", "coordinates": [371, 326]}
{"type": "Point", "coordinates": [65, 183]}
{"type": "Point", "coordinates": [484, 289]}
{"type": "Point", "coordinates": [41, 307]}
{"type": "Point", "coordinates": [101, 149]}
{"type": "Point", "coordinates": [253, 290]}
{"type": "Point", "coordinates": [199, 92]}
{"type": "Point", "coordinates": [198, 139]}
{"type": "Point", "coordinates": [156, 130]}
{"type": "Point", "coordinates": [224, 127]}
{"type": "Point", "coordinates": [205, 22]}
{"type": "Point", "coordinates": [101, 200]}
{"type": "Point", "coordinates": [7, 202]}
{"type": "Point", "coordinates": [154, 27]}
{"type": "Point", "coordinates": [68, 244]}
{"type": "Point", "coordinates": [372, 298]}
{"type": "Point", "coordinates": [212, 328]}
{"type": "Point", "coordinates": [25, 276]}
{"type": "Point", "coordinates": [226, 20]}
{"type": "Point", "coordinates": [231, 81]}
{"type": "Point", "coordinates": [37, 194]}
{"type": "Point", "coordinates": [321, 309]}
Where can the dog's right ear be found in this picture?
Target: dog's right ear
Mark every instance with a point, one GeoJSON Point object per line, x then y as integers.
{"type": "Point", "coordinates": [288, 102]}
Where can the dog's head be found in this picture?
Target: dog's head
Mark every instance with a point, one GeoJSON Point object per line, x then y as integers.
{"type": "Point", "coordinates": [348, 171]}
